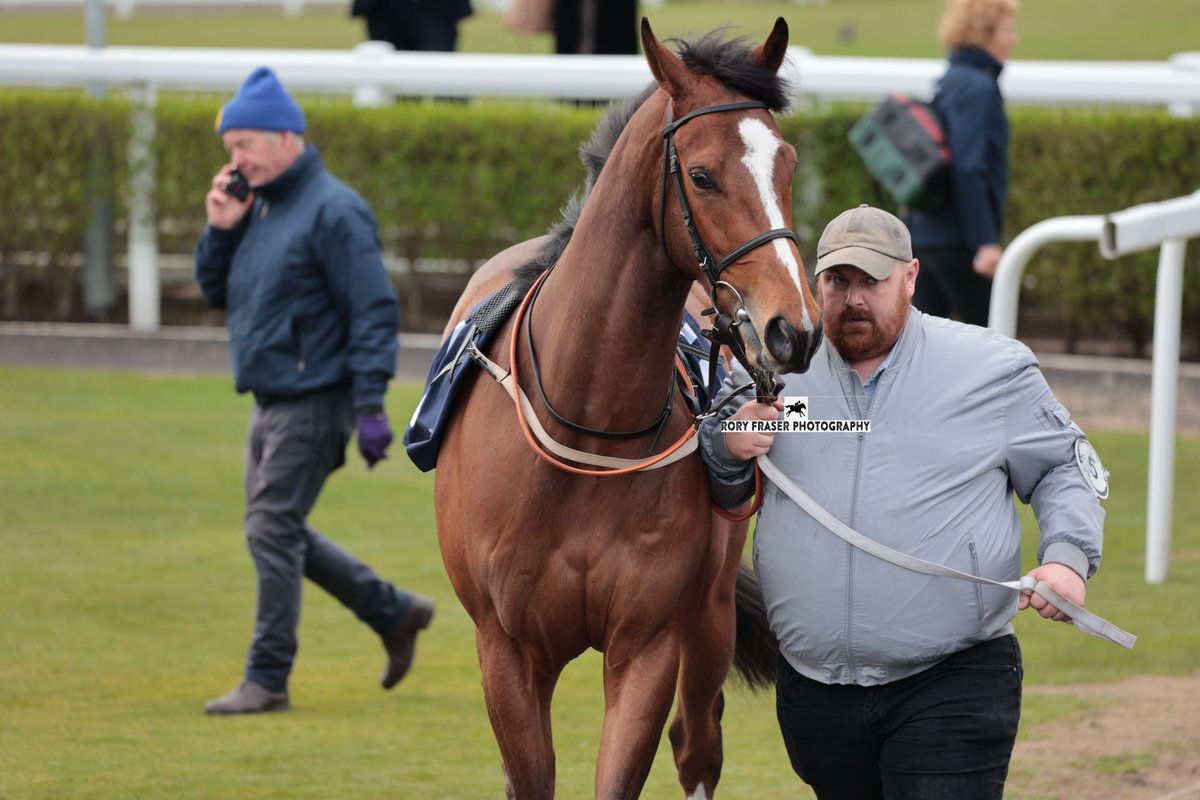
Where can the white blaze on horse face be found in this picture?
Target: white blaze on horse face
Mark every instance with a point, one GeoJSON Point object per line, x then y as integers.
{"type": "Point", "coordinates": [762, 148]}
{"type": "Point", "coordinates": [699, 794]}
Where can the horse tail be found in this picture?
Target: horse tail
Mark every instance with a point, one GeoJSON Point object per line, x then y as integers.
{"type": "Point", "coordinates": [756, 649]}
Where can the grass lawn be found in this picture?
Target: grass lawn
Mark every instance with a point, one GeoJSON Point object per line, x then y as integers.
{"type": "Point", "coordinates": [128, 598]}
{"type": "Point", "coordinates": [1063, 29]}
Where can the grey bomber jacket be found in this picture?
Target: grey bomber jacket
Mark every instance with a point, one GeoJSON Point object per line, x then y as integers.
{"type": "Point", "coordinates": [961, 418]}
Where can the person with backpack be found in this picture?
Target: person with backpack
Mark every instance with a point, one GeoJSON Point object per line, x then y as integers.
{"type": "Point", "coordinates": [958, 241]}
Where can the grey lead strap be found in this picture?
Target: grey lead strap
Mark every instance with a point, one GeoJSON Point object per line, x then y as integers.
{"type": "Point", "coordinates": [1081, 618]}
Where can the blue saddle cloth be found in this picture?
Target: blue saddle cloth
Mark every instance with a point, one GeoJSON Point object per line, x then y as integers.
{"type": "Point", "coordinates": [451, 365]}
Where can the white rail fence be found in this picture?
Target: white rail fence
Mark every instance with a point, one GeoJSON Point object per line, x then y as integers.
{"type": "Point", "coordinates": [373, 73]}
{"type": "Point", "coordinates": [1167, 226]}
{"type": "Point", "coordinates": [376, 69]}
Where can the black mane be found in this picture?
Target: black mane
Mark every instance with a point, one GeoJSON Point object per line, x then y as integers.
{"type": "Point", "coordinates": [727, 61]}
{"type": "Point", "coordinates": [730, 63]}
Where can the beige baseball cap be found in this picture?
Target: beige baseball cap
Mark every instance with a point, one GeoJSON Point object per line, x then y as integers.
{"type": "Point", "coordinates": [868, 238]}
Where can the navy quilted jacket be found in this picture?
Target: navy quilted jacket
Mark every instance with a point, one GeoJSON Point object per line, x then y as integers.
{"type": "Point", "coordinates": [307, 299]}
{"type": "Point", "coordinates": [972, 110]}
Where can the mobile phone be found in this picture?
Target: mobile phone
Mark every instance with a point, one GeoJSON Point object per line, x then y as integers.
{"type": "Point", "coordinates": [238, 187]}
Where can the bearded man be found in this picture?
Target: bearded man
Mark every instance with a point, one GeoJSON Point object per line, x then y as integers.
{"type": "Point", "coordinates": [893, 683]}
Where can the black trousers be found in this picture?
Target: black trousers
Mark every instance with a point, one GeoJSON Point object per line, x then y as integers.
{"type": "Point", "coordinates": [948, 286]}
{"type": "Point", "coordinates": [596, 27]}
{"type": "Point", "coordinates": [943, 734]}
{"type": "Point", "coordinates": [429, 25]}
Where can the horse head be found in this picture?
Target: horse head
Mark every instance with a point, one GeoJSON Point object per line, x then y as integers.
{"type": "Point", "coordinates": [728, 219]}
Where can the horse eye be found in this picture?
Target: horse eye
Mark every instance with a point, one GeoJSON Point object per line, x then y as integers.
{"type": "Point", "coordinates": [701, 180]}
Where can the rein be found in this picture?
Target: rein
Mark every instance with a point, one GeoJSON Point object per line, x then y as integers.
{"type": "Point", "coordinates": [722, 333]}
{"type": "Point", "coordinates": [540, 441]}
{"type": "Point", "coordinates": [656, 425]}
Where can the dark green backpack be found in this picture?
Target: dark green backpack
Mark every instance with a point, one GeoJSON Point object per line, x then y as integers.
{"type": "Point", "coordinates": [902, 143]}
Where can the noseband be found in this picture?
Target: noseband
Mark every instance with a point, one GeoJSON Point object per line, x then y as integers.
{"type": "Point", "coordinates": [722, 332]}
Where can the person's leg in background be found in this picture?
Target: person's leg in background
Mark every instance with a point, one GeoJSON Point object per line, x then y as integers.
{"type": "Point", "coordinates": [948, 286]}
{"type": "Point", "coordinates": [931, 295]}
{"type": "Point", "coordinates": [387, 22]}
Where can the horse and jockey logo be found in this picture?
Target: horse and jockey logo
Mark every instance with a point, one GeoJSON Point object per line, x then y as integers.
{"type": "Point", "coordinates": [795, 408]}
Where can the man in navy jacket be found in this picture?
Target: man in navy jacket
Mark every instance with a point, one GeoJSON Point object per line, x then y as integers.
{"type": "Point", "coordinates": [296, 265]}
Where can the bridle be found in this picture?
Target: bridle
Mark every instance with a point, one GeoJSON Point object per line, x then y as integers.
{"type": "Point", "coordinates": [708, 264]}
{"type": "Point", "coordinates": [722, 332]}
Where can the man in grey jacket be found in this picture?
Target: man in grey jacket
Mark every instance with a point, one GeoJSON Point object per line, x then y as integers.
{"type": "Point", "coordinates": [894, 683]}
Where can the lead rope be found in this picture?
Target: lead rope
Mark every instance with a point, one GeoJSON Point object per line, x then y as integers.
{"type": "Point", "coordinates": [1081, 618]}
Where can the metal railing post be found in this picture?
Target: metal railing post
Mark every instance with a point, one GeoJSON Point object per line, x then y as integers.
{"type": "Point", "coordinates": [1186, 63]}
{"type": "Point", "coordinates": [1164, 389]}
{"type": "Point", "coordinates": [99, 295]}
{"type": "Point", "coordinates": [144, 295]}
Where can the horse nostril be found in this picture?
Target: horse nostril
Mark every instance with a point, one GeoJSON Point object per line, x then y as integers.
{"type": "Point", "coordinates": [782, 341]}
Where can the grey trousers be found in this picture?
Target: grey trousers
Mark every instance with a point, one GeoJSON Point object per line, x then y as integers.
{"type": "Point", "coordinates": [293, 446]}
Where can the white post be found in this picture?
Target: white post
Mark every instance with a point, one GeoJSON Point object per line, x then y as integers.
{"type": "Point", "coordinates": [124, 9]}
{"type": "Point", "coordinates": [144, 300]}
{"type": "Point", "coordinates": [1189, 63]}
{"type": "Point", "coordinates": [1164, 388]}
{"type": "Point", "coordinates": [293, 8]}
{"type": "Point", "coordinates": [371, 95]}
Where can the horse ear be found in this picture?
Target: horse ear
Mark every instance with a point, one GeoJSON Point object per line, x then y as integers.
{"type": "Point", "coordinates": [668, 70]}
{"type": "Point", "coordinates": [772, 52]}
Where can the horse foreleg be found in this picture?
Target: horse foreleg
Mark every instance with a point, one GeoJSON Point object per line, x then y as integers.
{"type": "Point", "coordinates": [517, 694]}
{"type": "Point", "coordinates": [637, 700]}
{"type": "Point", "coordinates": [696, 730]}
{"type": "Point", "coordinates": [707, 652]}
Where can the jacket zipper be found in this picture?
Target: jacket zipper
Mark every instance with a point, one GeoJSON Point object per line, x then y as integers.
{"type": "Point", "coordinates": [850, 662]}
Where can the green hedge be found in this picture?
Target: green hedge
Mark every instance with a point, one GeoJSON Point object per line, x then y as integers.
{"type": "Point", "coordinates": [48, 144]}
{"type": "Point", "coordinates": [463, 181]}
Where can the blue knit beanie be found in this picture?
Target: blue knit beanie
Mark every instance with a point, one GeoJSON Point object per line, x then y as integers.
{"type": "Point", "coordinates": [261, 104]}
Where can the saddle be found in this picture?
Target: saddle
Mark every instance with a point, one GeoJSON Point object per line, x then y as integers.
{"type": "Point", "coordinates": [452, 364]}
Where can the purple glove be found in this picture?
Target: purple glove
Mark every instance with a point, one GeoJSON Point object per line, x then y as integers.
{"type": "Point", "coordinates": [374, 436]}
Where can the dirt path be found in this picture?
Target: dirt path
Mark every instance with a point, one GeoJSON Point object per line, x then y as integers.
{"type": "Point", "coordinates": [1137, 740]}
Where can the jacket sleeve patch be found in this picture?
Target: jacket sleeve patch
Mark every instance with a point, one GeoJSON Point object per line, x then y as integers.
{"type": "Point", "coordinates": [1094, 473]}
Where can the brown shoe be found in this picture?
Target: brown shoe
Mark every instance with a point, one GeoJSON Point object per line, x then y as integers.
{"type": "Point", "coordinates": [401, 643]}
{"type": "Point", "coordinates": [248, 698]}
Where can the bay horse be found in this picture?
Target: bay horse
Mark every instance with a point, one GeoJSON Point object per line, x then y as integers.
{"type": "Point", "coordinates": [550, 560]}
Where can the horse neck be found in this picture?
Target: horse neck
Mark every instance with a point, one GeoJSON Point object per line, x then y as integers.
{"type": "Point", "coordinates": [607, 322]}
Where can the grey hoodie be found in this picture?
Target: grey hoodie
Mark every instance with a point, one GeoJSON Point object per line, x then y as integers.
{"type": "Point", "coordinates": [960, 419]}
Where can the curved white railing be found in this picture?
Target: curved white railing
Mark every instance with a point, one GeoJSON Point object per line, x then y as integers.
{"type": "Point", "coordinates": [1168, 226]}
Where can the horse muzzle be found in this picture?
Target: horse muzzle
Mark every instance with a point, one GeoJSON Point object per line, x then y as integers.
{"type": "Point", "coordinates": [791, 350]}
